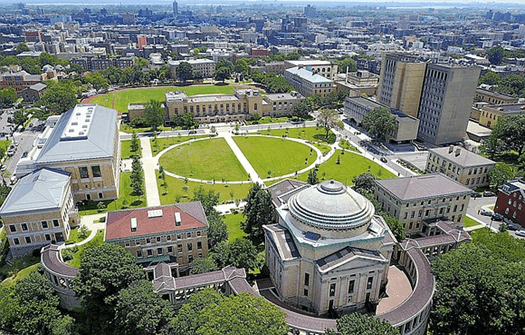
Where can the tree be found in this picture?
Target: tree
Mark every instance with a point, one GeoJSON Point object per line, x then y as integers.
{"type": "Point", "coordinates": [489, 78]}
{"type": "Point", "coordinates": [136, 176]}
{"type": "Point", "coordinates": [302, 109]}
{"type": "Point", "coordinates": [347, 64]}
{"type": "Point", "coordinates": [59, 98]}
{"type": "Point", "coordinates": [258, 211]}
{"type": "Point", "coordinates": [500, 174]}
{"type": "Point", "coordinates": [355, 323]}
{"type": "Point", "coordinates": [510, 131]}
{"type": "Point", "coordinates": [139, 310]}
{"type": "Point", "coordinates": [134, 142]}
{"type": "Point", "coordinates": [184, 71]}
{"type": "Point", "coordinates": [203, 265]}
{"type": "Point", "coordinates": [186, 121]}
{"type": "Point", "coordinates": [154, 114]}
{"type": "Point", "coordinates": [242, 253]}
{"type": "Point", "coordinates": [19, 118]}
{"type": "Point", "coordinates": [312, 177]}
{"type": "Point", "coordinates": [496, 55]}
{"type": "Point", "coordinates": [7, 97]}
{"type": "Point", "coordinates": [364, 183]}
{"type": "Point", "coordinates": [208, 199]}
{"type": "Point", "coordinates": [104, 271]}
{"type": "Point", "coordinates": [329, 119]}
{"type": "Point", "coordinates": [209, 312]}
{"type": "Point", "coordinates": [21, 47]}
{"type": "Point", "coordinates": [515, 82]}
{"type": "Point", "coordinates": [32, 308]}
{"type": "Point", "coordinates": [96, 79]}
{"type": "Point", "coordinates": [395, 226]}
{"type": "Point", "coordinates": [241, 66]}
{"type": "Point", "coordinates": [477, 293]}
{"type": "Point", "coordinates": [256, 116]}
{"type": "Point", "coordinates": [221, 74]}
{"type": "Point", "coordinates": [380, 123]}
{"type": "Point", "coordinates": [217, 230]}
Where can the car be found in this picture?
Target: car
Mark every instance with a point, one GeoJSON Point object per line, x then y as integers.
{"type": "Point", "coordinates": [486, 212]}
{"type": "Point", "coordinates": [521, 233]}
{"type": "Point", "coordinates": [384, 160]}
{"type": "Point", "coordinates": [24, 155]}
{"type": "Point", "coordinates": [191, 132]}
{"type": "Point", "coordinates": [513, 226]}
{"type": "Point", "coordinates": [489, 194]}
{"type": "Point", "coordinates": [3, 168]}
{"type": "Point", "coordinates": [16, 143]}
{"type": "Point", "coordinates": [476, 195]}
{"type": "Point", "coordinates": [497, 217]}
{"type": "Point", "coordinates": [11, 152]}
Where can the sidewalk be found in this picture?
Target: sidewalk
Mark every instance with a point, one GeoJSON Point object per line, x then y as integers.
{"type": "Point", "coordinates": [240, 156]}
{"type": "Point", "coordinates": [93, 224]}
{"type": "Point", "coordinates": [149, 164]}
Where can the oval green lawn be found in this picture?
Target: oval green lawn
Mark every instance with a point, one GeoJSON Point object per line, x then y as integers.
{"type": "Point", "coordinates": [206, 159]}
{"type": "Point", "coordinates": [279, 156]}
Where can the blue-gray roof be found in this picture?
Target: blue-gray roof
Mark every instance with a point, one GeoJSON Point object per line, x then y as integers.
{"type": "Point", "coordinates": [309, 76]}
{"type": "Point", "coordinates": [86, 132]}
{"type": "Point", "coordinates": [43, 189]}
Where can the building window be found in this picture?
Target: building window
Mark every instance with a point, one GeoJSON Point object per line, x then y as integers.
{"type": "Point", "coordinates": [199, 245]}
{"type": "Point", "coordinates": [188, 235]}
{"type": "Point", "coordinates": [12, 228]}
{"type": "Point", "coordinates": [168, 238]}
{"type": "Point", "coordinates": [369, 283]}
{"type": "Point", "coordinates": [56, 223]}
{"type": "Point", "coordinates": [24, 227]}
{"type": "Point", "coordinates": [351, 285]}
{"type": "Point", "coordinates": [190, 246]}
{"type": "Point", "coordinates": [305, 292]}
{"type": "Point", "coordinates": [44, 225]}
{"type": "Point", "coordinates": [179, 248]}
{"type": "Point", "coordinates": [28, 239]}
{"type": "Point", "coordinates": [190, 258]}
{"type": "Point", "coordinates": [170, 250]}
{"type": "Point", "coordinates": [16, 241]}
{"type": "Point", "coordinates": [158, 238]}
{"type": "Point", "coordinates": [332, 289]}
{"type": "Point", "coordinates": [148, 240]}
{"type": "Point", "coordinates": [306, 279]}
{"type": "Point", "coordinates": [199, 233]}
{"type": "Point", "coordinates": [83, 172]}
{"type": "Point", "coordinates": [150, 252]}
{"type": "Point", "coordinates": [48, 237]}
{"type": "Point", "coordinates": [96, 171]}
{"type": "Point", "coordinates": [139, 253]}
{"type": "Point", "coordinates": [159, 251]}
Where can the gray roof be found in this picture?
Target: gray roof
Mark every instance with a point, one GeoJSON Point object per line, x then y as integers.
{"type": "Point", "coordinates": [40, 190]}
{"type": "Point", "coordinates": [52, 260]}
{"type": "Point", "coordinates": [309, 76]}
{"type": "Point", "coordinates": [465, 158]}
{"type": "Point", "coordinates": [38, 86]}
{"type": "Point", "coordinates": [342, 256]}
{"type": "Point", "coordinates": [423, 186]}
{"type": "Point", "coordinates": [86, 132]}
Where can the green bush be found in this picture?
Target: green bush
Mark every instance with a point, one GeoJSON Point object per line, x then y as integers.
{"type": "Point", "coordinates": [68, 253]}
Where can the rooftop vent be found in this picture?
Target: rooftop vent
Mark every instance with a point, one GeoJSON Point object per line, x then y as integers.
{"type": "Point", "coordinates": [133, 224]}
{"type": "Point", "coordinates": [178, 219]}
{"type": "Point", "coordinates": [156, 213]}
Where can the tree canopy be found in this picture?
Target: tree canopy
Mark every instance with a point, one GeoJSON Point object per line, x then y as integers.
{"type": "Point", "coordinates": [500, 174]}
{"type": "Point", "coordinates": [359, 324]}
{"type": "Point", "coordinates": [364, 182]}
{"type": "Point", "coordinates": [184, 71]}
{"type": "Point", "coordinates": [59, 98]}
{"type": "Point", "coordinates": [7, 97]}
{"type": "Point", "coordinates": [507, 134]}
{"type": "Point", "coordinates": [328, 118]}
{"type": "Point", "coordinates": [380, 123]}
{"type": "Point", "coordinates": [258, 211]}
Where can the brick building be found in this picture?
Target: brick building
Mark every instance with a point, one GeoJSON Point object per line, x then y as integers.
{"type": "Point", "coordinates": [511, 201]}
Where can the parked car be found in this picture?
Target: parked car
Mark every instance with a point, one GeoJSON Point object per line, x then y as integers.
{"type": "Point", "coordinates": [486, 212]}
{"type": "Point", "coordinates": [521, 233]}
{"type": "Point", "coordinates": [497, 217]}
{"type": "Point", "coordinates": [11, 152]}
{"type": "Point", "coordinates": [24, 155]}
{"type": "Point", "coordinates": [3, 168]}
{"type": "Point", "coordinates": [476, 195]}
{"type": "Point", "coordinates": [489, 194]}
{"type": "Point", "coordinates": [191, 132]}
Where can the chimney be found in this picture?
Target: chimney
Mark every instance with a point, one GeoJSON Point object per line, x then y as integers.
{"type": "Point", "coordinates": [458, 151]}
{"type": "Point", "coordinates": [450, 148]}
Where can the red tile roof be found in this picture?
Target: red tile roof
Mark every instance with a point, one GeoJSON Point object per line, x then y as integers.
{"type": "Point", "coordinates": [119, 222]}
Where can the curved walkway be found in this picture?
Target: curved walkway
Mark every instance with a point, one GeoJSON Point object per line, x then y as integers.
{"type": "Point", "coordinates": [93, 224]}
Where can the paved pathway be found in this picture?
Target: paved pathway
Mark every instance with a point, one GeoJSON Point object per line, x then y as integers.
{"type": "Point", "coordinates": [93, 224]}
{"type": "Point", "coordinates": [149, 164]}
{"type": "Point", "coordinates": [240, 156]}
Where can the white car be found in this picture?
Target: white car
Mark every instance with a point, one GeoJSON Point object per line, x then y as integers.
{"type": "Point", "coordinates": [521, 233]}
{"type": "Point", "coordinates": [486, 212]}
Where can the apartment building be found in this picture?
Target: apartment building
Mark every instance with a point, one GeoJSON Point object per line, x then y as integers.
{"type": "Point", "coordinates": [463, 166]}
{"type": "Point", "coordinates": [489, 115]}
{"type": "Point", "coordinates": [416, 201]}
{"type": "Point", "coordinates": [307, 82]}
{"type": "Point", "coordinates": [175, 234]}
{"type": "Point", "coordinates": [20, 80]}
{"type": "Point", "coordinates": [203, 68]}
{"type": "Point", "coordinates": [84, 142]}
{"type": "Point", "coordinates": [39, 210]}
{"type": "Point", "coordinates": [511, 201]}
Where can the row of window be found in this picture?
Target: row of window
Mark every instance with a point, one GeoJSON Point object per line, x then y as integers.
{"type": "Point", "coordinates": [514, 204]}
{"type": "Point", "coordinates": [25, 227]}
{"type": "Point", "coordinates": [95, 172]}
{"type": "Point", "coordinates": [158, 239]}
{"type": "Point", "coordinates": [162, 251]}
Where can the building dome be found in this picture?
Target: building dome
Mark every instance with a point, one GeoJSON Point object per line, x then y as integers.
{"type": "Point", "coordinates": [331, 205]}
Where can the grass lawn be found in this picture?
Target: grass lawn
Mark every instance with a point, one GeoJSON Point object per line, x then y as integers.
{"type": "Point", "coordinates": [96, 241]}
{"type": "Point", "coordinates": [178, 191]}
{"type": "Point", "coordinates": [74, 235]}
{"type": "Point", "coordinates": [119, 100]}
{"type": "Point", "coordinates": [125, 149]}
{"type": "Point", "coordinates": [162, 143]}
{"type": "Point", "coordinates": [207, 160]}
{"type": "Point", "coordinates": [113, 205]}
{"type": "Point", "coordinates": [351, 165]}
{"type": "Point", "coordinates": [22, 267]}
{"type": "Point", "coordinates": [325, 149]}
{"type": "Point", "coordinates": [469, 222]}
{"type": "Point", "coordinates": [5, 144]}
{"type": "Point", "coordinates": [275, 156]}
{"type": "Point", "coordinates": [233, 222]}
{"type": "Point", "coordinates": [313, 134]}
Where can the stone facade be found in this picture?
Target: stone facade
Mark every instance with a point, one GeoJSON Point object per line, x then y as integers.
{"type": "Point", "coordinates": [307, 82]}
{"type": "Point", "coordinates": [465, 167]}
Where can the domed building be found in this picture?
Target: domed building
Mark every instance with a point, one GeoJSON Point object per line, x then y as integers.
{"type": "Point", "coordinates": [328, 252]}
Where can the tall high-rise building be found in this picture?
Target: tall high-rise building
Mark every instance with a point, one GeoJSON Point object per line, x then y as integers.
{"type": "Point", "coordinates": [310, 11]}
{"type": "Point", "coordinates": [401, 81]}
{"type": "Point", "coordinates": [175, 8]}
{"type": "Point", "coordinates": [446, 100]}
